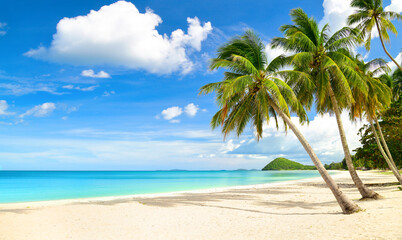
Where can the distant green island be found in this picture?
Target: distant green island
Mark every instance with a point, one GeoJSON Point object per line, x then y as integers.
{"type": "Point", "coordinates": [286, 164]}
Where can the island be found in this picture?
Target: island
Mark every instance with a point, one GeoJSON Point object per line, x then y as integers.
{"type": "Point", "coordinates": [286, 164]}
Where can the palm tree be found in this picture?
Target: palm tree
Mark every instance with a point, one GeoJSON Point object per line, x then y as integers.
{"type": "Point", "coordinates": [378, 98]}
{"type": "Point", "coordinates": [394, 82]}
{"type": "Point", "coordinates": [370, 13]}
{"type": "Point", "coordinates": [252, 91]}
{"type": "Point", "coordinates": [326, 59]}
{"type": "Point", "coordinates": [397, 83]}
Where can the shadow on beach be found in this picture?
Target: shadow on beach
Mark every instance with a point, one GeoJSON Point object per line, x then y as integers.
{"type": "Point", "coordinates": [214, 200]}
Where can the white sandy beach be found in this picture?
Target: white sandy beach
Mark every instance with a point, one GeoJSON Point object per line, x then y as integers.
{"type": "Point", "coordinates": [303, 209]}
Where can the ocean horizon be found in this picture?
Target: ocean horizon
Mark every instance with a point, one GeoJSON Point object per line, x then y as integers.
{"type": "Point", "coordinates": [27, 186]}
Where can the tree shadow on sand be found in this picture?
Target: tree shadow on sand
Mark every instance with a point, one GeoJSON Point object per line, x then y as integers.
{"type": "Point", "coordinates": [216, 200]}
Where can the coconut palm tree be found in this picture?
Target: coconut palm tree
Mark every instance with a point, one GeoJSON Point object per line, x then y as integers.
{"type": "Point", "coordinates": [252, 91]}
{"type": "Point", "coordinates": [370, 13]}
{"type": "Point", "coordinates": [326, 59]}
{"type": "Point", "coordinates": [397, 83]}
{"type": "Point", "coordinates": [378, 98]}
{"type": "Point", "coordinates": [393, 81]}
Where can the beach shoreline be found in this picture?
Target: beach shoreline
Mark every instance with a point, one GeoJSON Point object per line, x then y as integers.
{"type": "Point", "coordinates": [297, 209]}
{"type": "Point", "coordinates": [165, 194]}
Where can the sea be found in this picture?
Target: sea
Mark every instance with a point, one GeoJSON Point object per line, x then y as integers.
{"type": "Point", "coordinates": [27, 186]}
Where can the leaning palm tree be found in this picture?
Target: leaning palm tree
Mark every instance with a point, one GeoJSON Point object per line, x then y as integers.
{"type": "Point", "coordinates": [326, 59]}
{"type": "Point", "coordinates": [252, 91]}
{"type": "Point", "coordinates": [378, 98]}
{"type": "Point", "coordinates": [370, 13]}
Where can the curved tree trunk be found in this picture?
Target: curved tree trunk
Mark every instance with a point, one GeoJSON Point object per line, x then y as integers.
{"type": "Point", "coordinates": [383, 46]}
{"type": "Point", "coordinates": [347, 205]}
{"type": "Point", "coordinates": [384, 143]}
{"type": "Point", "coordinates": [393, 169]}
{"type": "Point", "coordinates": [364, 191]}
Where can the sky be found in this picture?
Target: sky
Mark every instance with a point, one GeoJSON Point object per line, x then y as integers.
{"type": "Point", "coordinates": [106, 85]}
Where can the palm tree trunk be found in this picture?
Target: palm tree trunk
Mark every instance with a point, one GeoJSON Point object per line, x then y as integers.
{"type": "Point", "coordinates": [384, 143]}
{"type": "Point", "coordinates": [393, 169]}
{"type": "Point", "coordinates": [347, 205]}
{"type": "Point", "coordinates": [364, 191]}
{"type": "Point", "coordinates": [383, 46]}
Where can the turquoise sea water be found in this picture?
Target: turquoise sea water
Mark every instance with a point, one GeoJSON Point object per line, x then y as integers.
{"type": "Point", "coordinates": [24, 186]}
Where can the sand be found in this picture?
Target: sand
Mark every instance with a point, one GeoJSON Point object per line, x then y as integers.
{"type": "Point", "coordinates": [303, 209]}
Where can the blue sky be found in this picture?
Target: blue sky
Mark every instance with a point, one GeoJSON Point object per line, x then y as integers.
{"type": "Point", "coordinates": [114, 85]}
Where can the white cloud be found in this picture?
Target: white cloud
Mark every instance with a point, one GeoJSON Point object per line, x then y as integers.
{"type": "Point", "coordinates": [115, 152]}
{"type": "Point", "coordinates": [230, 145]}
{"type": "Point", "coordinates": [175, 121]}
{"type": "Point", "coordinates": [172, 112]}
{"type": "Point", "coordinates": [92, 74]}
{"type": "Point", "coordinates": [118, 34]}
{"type": "Point", "coordinates": [27, 88]}
{"type": "Point", "coordinates": [40, 110]}
{"type": "Point", "coordinates": [4, 107]}
{"type": "Point", "coordinates": [107, 94]}
{"type": "Point", "coordinates": [147, 135]}
{"type": "Point", "coordinates": [336, 13]}
{"type": "Point", "coordinates": [322, 134]}
{"type": "Point", "coordinates": [84, 89]}
{"type": "Point", "coordinates": [89, 89]}
{"type": "Point", "coordinates": [2, 30]}
{"type": "Point", "coordinates": [398, 59]}
{"type": "Point", "coordinates": [395, 6]}
{"type": "Point", "coordinates": [273, 53]}
{"type": "Point", "coordinates": [70, 86]}
{"type": "Point", "coordinates": [191, 109]}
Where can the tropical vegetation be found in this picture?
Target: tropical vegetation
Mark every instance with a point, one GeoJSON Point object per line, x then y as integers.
{"type": "Point", "coordinates": [371, 14]}
{"type": "Point", "coordinates": [321, 70]}
{"type": "Point", "coordinates": [253, 91]}
{"type": "Point", "coordinates": [368, 155]}
{"type": "Point", "coordinates": [326, 59]}
{"type": "Point", "coordinates": [378, 98]}
{"type": "Point", "coordinates": [286, 164]}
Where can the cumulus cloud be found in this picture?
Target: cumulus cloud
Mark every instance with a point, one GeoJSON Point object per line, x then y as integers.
{"type": "Point", "coordinates": [118, 34]}
{"type": "Point", "coordinates": [40, 110]}
{"type": "Point", "coordinates": [398, 59]}
{"type": "Point", "coordinates": [4, 107]}
{"type": "Point", "coordinates": [395, 6]}
{"type": "Point", "coordinates": [336, 13]}
{"type": "Point", "coordinates": [172, 112]}
{"type": "Point", "coordinates": [273, 53]}
{"type": "Point", "coordinates": [191, 109]}
{"type": "Point", "coordinates": [322, 134]}
{"type": "Point", "coordinates": [84, 89]}
{"type": "Point", "coordinates": [92, 74]}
